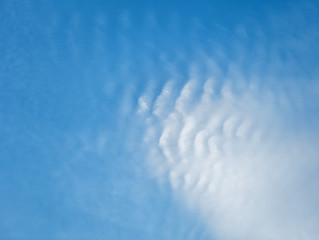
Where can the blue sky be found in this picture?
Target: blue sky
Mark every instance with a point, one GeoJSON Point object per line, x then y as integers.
{"type": "Point", "coordinates": [159, 119]}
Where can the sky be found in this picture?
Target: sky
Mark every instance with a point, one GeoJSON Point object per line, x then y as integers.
{"type": "Point", "coordinates": [159, 120]}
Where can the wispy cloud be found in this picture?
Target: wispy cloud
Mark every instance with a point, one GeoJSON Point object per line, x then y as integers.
{"type": "Point", "coordinates": [225, 117]}
{"type": "Point", "coordinates": [230, 147]}
{"type": "Point", "coordinates": [225, 124]}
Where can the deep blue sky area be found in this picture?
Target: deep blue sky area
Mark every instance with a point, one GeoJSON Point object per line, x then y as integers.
{"type": "Point", "coordinates": [72, 158]}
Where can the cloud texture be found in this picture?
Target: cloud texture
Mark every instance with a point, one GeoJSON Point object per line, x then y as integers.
{"type": "Point", "coordinates": [236, 143]}
{"type": "Point", "coordinates": [126, 121]}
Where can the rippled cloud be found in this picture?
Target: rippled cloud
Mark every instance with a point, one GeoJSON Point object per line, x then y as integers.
{"type": "Point", "coordinates": [234, 144]}
{"type": "Point", "coordinates": [173, 121]}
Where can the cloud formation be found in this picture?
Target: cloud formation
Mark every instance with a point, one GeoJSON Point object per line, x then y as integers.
{"type": "Point", "coordinates": [227, 122]}
{"type": "Point", "coordinates": [231, 157]}
{"type": "Point", "coordinates": [223, 108]}
{"type": "Point", "coordinates": [235, 144]}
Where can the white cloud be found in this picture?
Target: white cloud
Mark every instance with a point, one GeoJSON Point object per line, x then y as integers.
{"type": "Point", "coordinates": [230, 148]}
{"type": "Point", "coordinates": [232, 141]}
{"type": "Point", "coordinates": [162, 101]}
{"type": "Point", "coordinates": [143, 105]}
